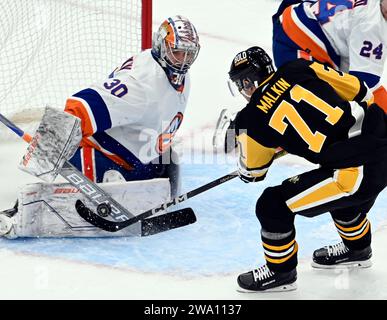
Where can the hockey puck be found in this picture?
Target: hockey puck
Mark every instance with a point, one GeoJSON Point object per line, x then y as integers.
{"type": "Point", "coordinates": [104, 209]}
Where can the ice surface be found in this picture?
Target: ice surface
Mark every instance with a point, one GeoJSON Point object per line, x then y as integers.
{"type": "Point", "coordinates": [201, 260]}
{"type": "Point", "coordinates": [225, 238]}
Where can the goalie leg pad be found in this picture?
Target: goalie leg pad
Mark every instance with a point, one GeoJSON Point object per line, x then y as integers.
{"type": "Point", "coordinates": [55, 141]}
{"type": "Point", "coordinates": [48, 210]}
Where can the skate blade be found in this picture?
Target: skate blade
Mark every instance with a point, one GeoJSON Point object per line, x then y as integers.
{"type": "Point", "coordinates": [344, 265]}
{"type": "Point", "coordinates": [282, 288]}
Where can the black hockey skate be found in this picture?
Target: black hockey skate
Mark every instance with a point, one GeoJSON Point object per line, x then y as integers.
{"type": "Point", "coordinates": [6, 219]}
{"type": "Point", "coordinates": [265, 280]}
{"type": "Point", "coordinates": [340, 256]}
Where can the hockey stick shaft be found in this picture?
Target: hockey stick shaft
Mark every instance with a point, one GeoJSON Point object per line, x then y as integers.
{"type": "Point", "coordinates": [93, 192]}
{"type": "Point", "coordinates": [25, 136]}
{"type": "Point", "coordinates": [194, 192]}
{"type": "Point", "coordinates": [113, 226]}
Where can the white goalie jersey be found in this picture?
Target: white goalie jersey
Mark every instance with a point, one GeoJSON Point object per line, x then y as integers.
{"type": "Point", "coordinates": [136, 111]}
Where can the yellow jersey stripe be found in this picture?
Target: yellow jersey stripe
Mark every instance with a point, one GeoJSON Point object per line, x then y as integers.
{"type": "Point", "coordinates": [279, 248]}
{"type": "Point", "coordinates": [352, 228]}
{"type": "Point", "coordinates": [359, 236]}
{"type": "Point", "coordinates": [346, 85]}
{"type": "Point", "coordinates": [278, 261]}
{"type": "Point", "coordinates": [345, 182]}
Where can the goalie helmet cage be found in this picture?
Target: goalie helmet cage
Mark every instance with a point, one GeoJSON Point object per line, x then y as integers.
{"type": "Point", "coordinates": [50, 49]}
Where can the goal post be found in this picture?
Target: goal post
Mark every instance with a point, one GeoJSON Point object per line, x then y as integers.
{"type": "Point", "coordinates": [50, 49]}
{"type": "Point", "coordinates": [146, 26]}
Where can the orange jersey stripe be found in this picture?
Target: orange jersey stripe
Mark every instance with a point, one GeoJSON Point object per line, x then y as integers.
{"type": "Point", "coordinates": [76, 108]}
{"type": "Point", "coordinates": [88, 163]}
{"type": "Point", "coordinates": [304, 55]}
{"type": "Point", "coordinates": [299, 37]}
{"type": "Point", "coordinates": [380, 98]}
{"type": "Point", "coordinates": [116, 159]}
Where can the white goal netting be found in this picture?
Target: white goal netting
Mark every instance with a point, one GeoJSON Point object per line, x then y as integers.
{"type": "Point", "coordinates": [50, 49]}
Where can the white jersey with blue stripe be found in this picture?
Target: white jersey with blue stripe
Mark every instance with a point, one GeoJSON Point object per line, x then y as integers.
{"type": "Point", "coordinates": [357, 31]}
{"type": "Point", "coordinates": [135, 111]}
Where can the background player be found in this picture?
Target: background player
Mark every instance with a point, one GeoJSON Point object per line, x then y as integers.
{"type": "Point", "coordinates": [347, 35]}
{"type": "Point", "coordinates": [328, 118]}
{"type": "Point", "coordinates": [130, 119]}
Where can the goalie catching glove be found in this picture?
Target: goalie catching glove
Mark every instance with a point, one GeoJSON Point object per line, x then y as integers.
{"type": "Point", "coordinates": [55, 141]}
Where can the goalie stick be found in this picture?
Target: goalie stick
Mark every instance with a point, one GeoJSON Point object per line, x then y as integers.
{"type": "Point", "coordinates": [114, 226]}
{"type": "Point", "coordinates": [98, 196]}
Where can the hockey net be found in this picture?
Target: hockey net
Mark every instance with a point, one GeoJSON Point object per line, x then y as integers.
{"type": "Point", "coordinates": [50, 49]}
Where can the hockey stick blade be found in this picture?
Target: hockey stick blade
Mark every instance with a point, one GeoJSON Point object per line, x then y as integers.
{"type": "Point", "coordinates": [167, 221]}
{"type": "Point", "coordinates": [153, 225]}
{"type": "Point", "coordinates": [93, 218]}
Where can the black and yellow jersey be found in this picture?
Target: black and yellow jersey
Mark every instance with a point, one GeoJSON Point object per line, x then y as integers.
{"type": "Point", "coordinates": [303, 108]}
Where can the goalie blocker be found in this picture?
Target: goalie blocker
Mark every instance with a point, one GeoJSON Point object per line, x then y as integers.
{"type": "Point", "coordinates": [55, 141]}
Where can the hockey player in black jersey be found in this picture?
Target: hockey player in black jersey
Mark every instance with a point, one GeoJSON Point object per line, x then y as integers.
{"type": "Point", "coordinates": [329, 118]}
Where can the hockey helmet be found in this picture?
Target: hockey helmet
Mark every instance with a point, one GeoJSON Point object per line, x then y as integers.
{"type": "Point", "coordinates": [176, 47]}
{"type": "Point", "coordinates": [248, 68]}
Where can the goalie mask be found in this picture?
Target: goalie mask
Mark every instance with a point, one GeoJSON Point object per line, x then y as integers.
{"type": "Point", "coordinates": [249, 68]}
{"type": "Point", "coordinates": [176, 47]}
